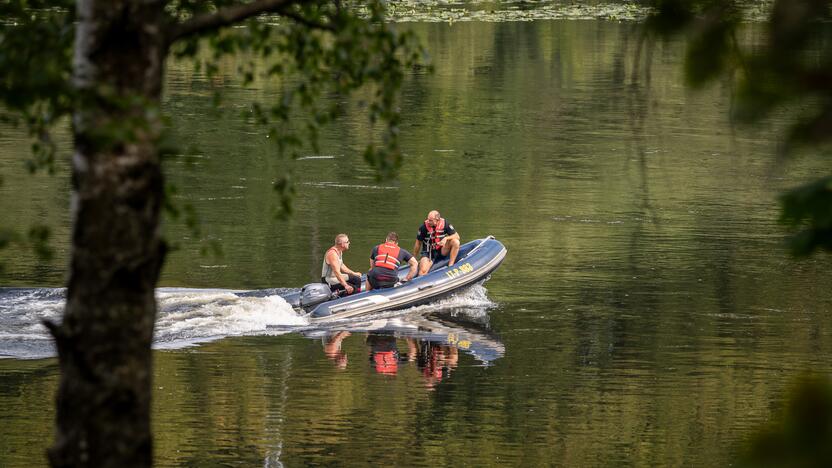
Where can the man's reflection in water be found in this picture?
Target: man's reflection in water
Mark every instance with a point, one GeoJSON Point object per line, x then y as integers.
{"type": "Point", "coordinates": [384, 352]}
{"type": "Point", "coordinates": [436, 361]}
{"type": "Point", "coordinates": [332, 348]}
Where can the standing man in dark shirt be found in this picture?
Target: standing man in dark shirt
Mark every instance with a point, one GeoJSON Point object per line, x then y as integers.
{"type": "Point", "coordinates": [436, 240]}
{"type": "Point", "coordinates": [384, 263]}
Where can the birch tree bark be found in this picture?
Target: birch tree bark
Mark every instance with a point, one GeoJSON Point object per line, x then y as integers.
{"type": "Point", "coordinates": [104, 342]}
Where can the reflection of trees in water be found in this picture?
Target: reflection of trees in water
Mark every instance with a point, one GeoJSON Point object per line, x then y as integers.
{"type": "Point", "coordinates": [26, 397]}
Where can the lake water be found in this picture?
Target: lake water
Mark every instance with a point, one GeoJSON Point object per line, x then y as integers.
{"type": "Point", "coordinates": [646, 313]}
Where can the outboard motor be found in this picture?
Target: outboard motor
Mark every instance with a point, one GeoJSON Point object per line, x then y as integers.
{"type": "Point", "coordinates": [313, 294]}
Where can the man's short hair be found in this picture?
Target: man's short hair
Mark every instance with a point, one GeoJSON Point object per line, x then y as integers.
{"type": "Point", "coordinates": [434, 215]}
{"type": "Point", "coordinates": [340, 238]}
{"type": "Point", "coordinates": [392, 237]}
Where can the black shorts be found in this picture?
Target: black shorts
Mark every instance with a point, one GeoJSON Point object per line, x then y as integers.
{"type": "Point", "coordinates": [352, 280]}
{"type": "Point", "coordinates": [382, 278]}
{"type": "Point", "coordinates": [435, 256]}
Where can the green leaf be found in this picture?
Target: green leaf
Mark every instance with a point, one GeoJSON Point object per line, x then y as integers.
{"type": "Point", "coordinates": [801, 435]}
{"type": "Point", "coordinates": [709, 51]}
{"type": "Point", "coordinates": [38, 239]}
{"type": "Point", "coordinates": [808, 210]}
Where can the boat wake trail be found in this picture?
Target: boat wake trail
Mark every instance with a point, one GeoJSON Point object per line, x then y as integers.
{"type": "Point", "coordinates": [22, 311]}
{"type": "Point", "coordinates": [187, 317]}
{"type": "Point", "coordinates": [191, 316]}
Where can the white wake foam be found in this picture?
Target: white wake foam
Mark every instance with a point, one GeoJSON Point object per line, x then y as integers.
{"type": "Point", "coordinates": [472, 302]}
{"type": "Point", "coordinates": [193, 316]}
{"type": "Point", "coordinates": [22, 312]}
{"type": "Point", "coordinates": [186, 317]}
{"type": "Point", "coordinates": [474, 297]}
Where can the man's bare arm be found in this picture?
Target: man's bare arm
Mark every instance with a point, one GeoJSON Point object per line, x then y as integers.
{"type": "Point", "coordinates": [413, 265]}
{"type": "Point", "coordinates": [447, 238]}
{"type": "Point", "coordinates": [345, 269]}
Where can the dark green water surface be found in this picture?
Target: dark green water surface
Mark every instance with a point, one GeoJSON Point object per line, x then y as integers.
{"type": "Point", "coordinates": [647, 313]}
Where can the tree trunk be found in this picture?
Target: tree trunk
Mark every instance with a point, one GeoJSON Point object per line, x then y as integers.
{"type": "Point", "coordinates": [103, 402]}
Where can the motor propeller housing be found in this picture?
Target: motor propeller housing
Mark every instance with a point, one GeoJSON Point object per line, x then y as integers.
{"type": "Point", "coordinates": [313, 294]}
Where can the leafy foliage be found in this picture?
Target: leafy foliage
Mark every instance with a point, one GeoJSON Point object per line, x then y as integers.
{"type": "Point", "coordinates": [35, 58]}
{"type": "Point", "coordinates": [810, 204]}
{"type": "Point", "coordinates": [793, 69]}
{"type": "Point", "coordinates": [36, 240]}
{"type": "Point", "coordinates": [329, 50]}
{"type": "Point", "coordinates": [799, 437]}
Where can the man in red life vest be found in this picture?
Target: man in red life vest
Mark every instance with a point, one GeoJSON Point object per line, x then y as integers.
{"type": "Point", "coordinates": [436, 240]}
{"type": "Point", "coordinates": [337, 275]}
{"type": "Point", "coordinates": [384, 263]}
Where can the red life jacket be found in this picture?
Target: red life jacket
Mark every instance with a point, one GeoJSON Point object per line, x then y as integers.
{"type": "Point", "coordinates": [387, 256]}
{"type": "Point", "coordinates": [436, 234]}
{"type": "Point", "coordinates": [386, 362]}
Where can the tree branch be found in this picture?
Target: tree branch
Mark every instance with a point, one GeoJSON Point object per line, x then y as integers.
{"type": "Point", "coordinates": [235, 14]}
{"type": "Point", "coordinates": [305, 21]}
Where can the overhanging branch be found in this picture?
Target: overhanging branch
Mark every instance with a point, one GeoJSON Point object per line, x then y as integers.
{"type": "Point", "coordinates": [305, 21]}
{"type": "Point", "coordinates": [232, 15]}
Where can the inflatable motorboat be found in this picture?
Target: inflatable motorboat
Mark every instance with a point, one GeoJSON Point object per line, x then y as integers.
{"type": "Point", "coordinates": [475, 262]}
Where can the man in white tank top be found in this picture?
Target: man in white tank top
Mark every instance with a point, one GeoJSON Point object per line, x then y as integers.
{"type": "Point", "coordinates": [333, 271]}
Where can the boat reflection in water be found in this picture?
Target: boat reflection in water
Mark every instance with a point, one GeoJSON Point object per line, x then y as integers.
{"type": "Point", "coordinates": [431, 342]}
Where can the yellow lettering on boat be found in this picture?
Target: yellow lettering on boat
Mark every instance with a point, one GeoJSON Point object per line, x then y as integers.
{"type": "Point", "coordinates": [460, 270]}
